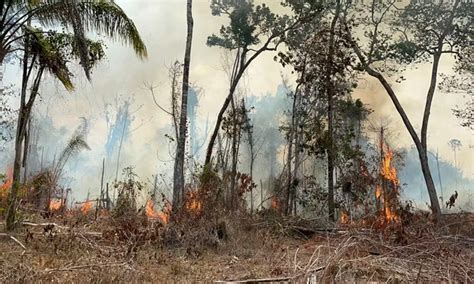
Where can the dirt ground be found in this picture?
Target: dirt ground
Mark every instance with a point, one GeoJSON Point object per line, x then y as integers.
{"type": "Point", "coordinates": [80, 250]}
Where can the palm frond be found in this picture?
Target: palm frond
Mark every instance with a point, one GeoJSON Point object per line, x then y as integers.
{"type": "Point", "coordinates": [101, 16]}
{"type": "Point", "coordinates": [50, 57]}
{"type": "Point", "coordinates": [81, 16]}
{"type": "Point", "coordinates": [76, 144]}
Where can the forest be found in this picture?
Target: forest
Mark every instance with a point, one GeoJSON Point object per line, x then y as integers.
{"type": "Point", "coordinates": [236, 141]}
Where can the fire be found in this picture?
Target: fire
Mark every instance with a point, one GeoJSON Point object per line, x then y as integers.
{"type": "Point", "coordinates": [387, 192]}
{"type": "Point", "coordinates": [344, 217]}
{"type": "Point", "coordinates": [378, 191]}
{"type": "Point", "coordinates": [275, 203]}
{"type": "Point", "coordinates": [8, 183]}
{"type": "Point", "coordinates": [86, 206]}
{"type": "Point", "coordinates": [391, 216]}
{"type": "Point", "coordinates": [55, 204]}
{"type": "Point", "coordinates": [193, 204]}
{"type": "Point", "coordinates": [388, 171]}
{"type": "Point", "coordinates": [152, 214]}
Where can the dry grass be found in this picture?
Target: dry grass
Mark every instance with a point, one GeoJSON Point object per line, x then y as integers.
{"type": "Point", "coordinates": [104, 250]}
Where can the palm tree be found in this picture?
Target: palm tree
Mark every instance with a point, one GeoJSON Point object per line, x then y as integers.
{"type": "Point", "coordinates": [43, 52]}
{"type": "Point", "coordinates": [49, 51]}
{"type": "Point", "coordinates": [82, 16]}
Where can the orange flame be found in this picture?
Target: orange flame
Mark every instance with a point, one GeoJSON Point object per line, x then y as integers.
{"type": "Point", "coordinates": [378, 191]}
{"type": "Point", "coordinates": [390, 215]}
{"type": "Point", "coordinates": [152, 214]}
{"type": "Point", "coordinates": [193, 204]}
{"type": "Point", "coordinates": [388, 171]}
{"type": "Point", "coordinates": [389, 196]}
{"type": "Point", "coordinates": [86, 207]}
{"type": "Point", "coordinates": [8, 183]}
{"type": "Point", "coordinates": [55, 204]}
{"type": "Point", "coordinates": [344, 217]}
{"type": "Point", "coordinates": [276, 203]}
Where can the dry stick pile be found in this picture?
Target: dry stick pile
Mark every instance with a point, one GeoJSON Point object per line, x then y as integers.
{"type": "Point", "coordinates": [431, 258]}
{"type": "Point", "coordinates": [337, 255]}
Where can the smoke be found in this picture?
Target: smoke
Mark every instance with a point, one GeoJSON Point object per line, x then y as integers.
{"type": "Point", "coordinates": [145, 147]}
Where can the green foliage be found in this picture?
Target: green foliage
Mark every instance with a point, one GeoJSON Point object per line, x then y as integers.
{"type": "Point", "coordinates": [82, 16]}
{"type": "Point", "coordinates": [248, 23]}
{"type": "Point", "coordinates": [55, 51]}
{"type": "Point", "coordinates": [128, 190]}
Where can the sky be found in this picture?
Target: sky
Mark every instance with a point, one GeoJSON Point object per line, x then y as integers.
{"type": "Point", "coordinates": [162, 24]}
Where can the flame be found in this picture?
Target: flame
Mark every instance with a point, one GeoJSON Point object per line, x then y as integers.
{"type": "Point", "coordinates": [55, 204]}
{"type": "Point", "coordinates": [391, 216]}
{"type": "Point", "coordinates": [388, 195]}
{"type": "Point", "coordinates": [378, 191]}
{"type": "Point", "coordinates": [86, 206]}
{"type": "Point", "coordinates": [276, 203]}
{"type": "Point", "coordinates": [8, 183]}
{"type": "Point", "coordinates": [152, 214]}
{"type": "Point", "coordinates": [193, 204]}
{"type": "Point", "coordinates": [388, 171]}
{"type": "Point", "coordinates": [344, 217]}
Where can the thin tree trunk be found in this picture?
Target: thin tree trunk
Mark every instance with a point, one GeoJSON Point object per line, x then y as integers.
{"type": "Point", "coordinates": [234, 151]}
{"type": "Point", "coordinates": [435, 208]}
{"type": "Point", "coordinates": [26, 149]}
{"type": "Point", "coordinates": [178, 177]}
{"type": "Point", "coordinates": [12, 197]}
{"type": "Point", "coordinates": [289, 158]}
{"type": "Point", "coordinates": [330, 94]}
{"type": "Point", "coordinates": [102, 193]}
{"type": "Point", "coordinates": [239, 67]}
{"type": "Point", "coordinates": [220, 116]}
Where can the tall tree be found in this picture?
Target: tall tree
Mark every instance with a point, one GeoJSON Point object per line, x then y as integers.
{"type": "Point", "coordinates": [178, 184]}
{"type": "Point", "coordinates": [330, 94]}
{"type": "Point", "coordinates": [417, 32]}
{"type": "Point", "coordinates": [253, 29]}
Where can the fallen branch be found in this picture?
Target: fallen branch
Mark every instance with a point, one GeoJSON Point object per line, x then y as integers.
{"type": "Point", "coordinates": [261, 280]}
{"type": "Point", "coordinates": [14, 239]}
{"type": "Point", "coordinates": [272, 280]}
{"type": "Point", "coordinates": [85, 266]}
{"type": "Point", "coordinates": [26, 223]}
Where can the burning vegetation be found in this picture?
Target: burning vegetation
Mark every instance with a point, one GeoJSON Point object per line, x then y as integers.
{"type": "Point", "coordinates": [164, 215]}
{"type": "Point", "coordinates": [288, 187]}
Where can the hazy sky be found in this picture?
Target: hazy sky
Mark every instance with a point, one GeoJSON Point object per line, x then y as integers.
{"type": "Point", "coordinates": [162, 24]}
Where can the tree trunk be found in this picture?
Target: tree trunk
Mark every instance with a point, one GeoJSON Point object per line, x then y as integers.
{"type": "Point", "coordinates": [289, 158]}
{"type": "Point", "coordinates": [240, 65]}
{"type": "Point", "coordinates": [435, 208]}
{"type": "Point", "coordinates": [178, 177]}
{"type": "Point", "coordinates": [2, 58]}
{"type": "Point", "coordinates": [330, 94]}
{"type": "Point", "coordinates": [20, 134]}
{"type": "Point", "coordinates": [234, 151]}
